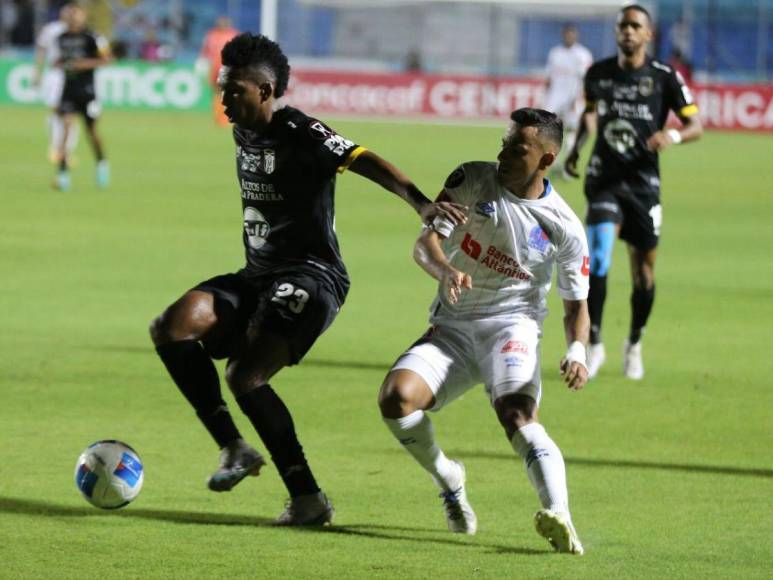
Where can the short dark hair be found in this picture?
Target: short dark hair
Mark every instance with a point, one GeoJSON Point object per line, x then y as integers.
{"type": "Point", "coordinates": [638, 8]}
{"type": "Point", "coordinates": [549, 125]}
{"type": "Point", "coordinates": [257, 53]}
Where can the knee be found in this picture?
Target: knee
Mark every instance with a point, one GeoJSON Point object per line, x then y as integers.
{"type": "Point", "coordinates": [241, 378]}
{"type": "Point", "coordinates": [398, 398]}
{"type": "Point", "coordinates": [514, 411]}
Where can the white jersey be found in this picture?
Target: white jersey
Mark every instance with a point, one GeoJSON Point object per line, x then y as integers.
{"type": "Point", "coordinates": [565, 70]}
{"type": "Point", "coordinates": [53, 79]}
{"type": "Point", "coordinates": [508, 246]}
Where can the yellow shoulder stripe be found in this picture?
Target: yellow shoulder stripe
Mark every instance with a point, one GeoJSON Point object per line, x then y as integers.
{"type": "Point", "coordinates": [352, 156]}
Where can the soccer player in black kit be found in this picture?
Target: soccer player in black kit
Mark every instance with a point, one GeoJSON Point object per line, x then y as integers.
{"type": "Point", "coordinates": [268, 314]}
{"type": "Point", "coordinates": [631, 95]}
{"type": "Point", "coordinates": [81, 53]}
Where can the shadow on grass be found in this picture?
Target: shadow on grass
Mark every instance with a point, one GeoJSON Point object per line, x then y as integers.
{"type": "Point", "coordinates": [10, 505]}
{"type": "Point", "coordinates": [686, 467]}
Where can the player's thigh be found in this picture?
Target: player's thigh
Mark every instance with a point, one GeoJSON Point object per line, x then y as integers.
{"type": "Point", "coordinates": [642, 220]}
{"type": "Point", "coordinates": [190, 317]}
{"type": "Point", "coordinates": [445, 360]}
{"type": "Point", "coordinates": [510, 359]}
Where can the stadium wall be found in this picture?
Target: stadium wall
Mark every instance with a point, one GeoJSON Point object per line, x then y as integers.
{"type": "Point", "coordinates": [138, 85]}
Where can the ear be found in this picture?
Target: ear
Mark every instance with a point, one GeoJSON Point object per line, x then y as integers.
{"type": "Point", "coordinates": [547, 160]}
{"type": "Point", "coordinates": [266, 90]}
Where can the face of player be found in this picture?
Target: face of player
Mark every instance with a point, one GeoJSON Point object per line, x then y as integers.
{"type": "Point", "coordinates": [569, 36]}
{"type": "Point", "coordinates": [74, 17]}
{"type": "Point", "coordinates": [522, 158]}
{"type": "Point", "coordinates": [247, 102]}
{"type": "Point", "coordinates": [633, 32]}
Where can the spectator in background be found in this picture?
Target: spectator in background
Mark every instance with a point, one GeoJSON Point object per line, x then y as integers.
{"type": "Point", "coordinates": [209, 60]}
{"type": "Point", "coordinates": [566, 66]}
{"type": "Point", "coordinates": [681, 65]}
{"type": "Point", "coordinates": [150, 47]}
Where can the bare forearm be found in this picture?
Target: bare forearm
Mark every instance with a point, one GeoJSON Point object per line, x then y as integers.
{"type": "Point", "coordinates": [692, 129]}
{"type": "Point", "coordinates": [429, 255]}
{"type": "Point", "coordinates": [386, 175]}
{"type": "Point", "coordinates": [585, 128]}
{"type": "Point", "coordinates": [576, 321]}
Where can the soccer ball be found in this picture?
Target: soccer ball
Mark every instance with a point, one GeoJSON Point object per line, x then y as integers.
{"type": "Point", "coordinates": [109, 474]}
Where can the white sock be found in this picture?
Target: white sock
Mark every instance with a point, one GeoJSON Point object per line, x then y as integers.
{"type": "Point", "coordinates": [544, 466]}
{"type": "Point", "coordinates": [416, 434]}
{"type": "Point", "coordinates": [55, 131]}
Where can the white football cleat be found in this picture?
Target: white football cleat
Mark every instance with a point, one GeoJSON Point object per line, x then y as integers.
{"type": "Point", "coordinates": [237, 461]}
{"type": "Point", "coordinates": [597, 356]}
{"type": "Point", "coordinates": [459, 515]}
{"type": "Point", "coordinates": [633, 367]}
{"type": "Point", "coordinates": [557, 529]}
{"type": "Point", "coordinates": [314, 509]}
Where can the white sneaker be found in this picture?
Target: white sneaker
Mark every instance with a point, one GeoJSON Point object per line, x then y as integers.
{"type": "Point", "coordinates": [307, 510]}
{"type": "Point", "coordinates": [597, 356]}
{"type": "Point", "coordinates": [557, 529]}
{"type": "Point", "coordinates": [459, 515]}
{"type": "Point", "coordinates": [237, 461]}
{"type": "Point", "coordinates": [633, 367]}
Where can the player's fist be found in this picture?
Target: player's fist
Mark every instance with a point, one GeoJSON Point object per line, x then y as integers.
{"type": "Point", "coordinates": [659, 141]}
{"type": "Point", "coordinates": [570, 165]}
{"type": "Point", "coordinates": [454, 282]}
{"type": "Point", "coordinates": [575, 373]}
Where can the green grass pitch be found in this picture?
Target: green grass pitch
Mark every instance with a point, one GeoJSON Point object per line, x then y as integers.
{"type": "Point", "coordinates": [669, 478]}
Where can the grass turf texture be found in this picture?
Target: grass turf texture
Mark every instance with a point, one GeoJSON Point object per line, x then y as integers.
{"type": "Point", "coordinates": [669, 477]}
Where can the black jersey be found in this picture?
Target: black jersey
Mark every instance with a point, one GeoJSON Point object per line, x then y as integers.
{"type": "Point", "coordinates": [631, 106]}
{"type": "Point", "coordinates": [287, 178]}
{"type": "Point", "coordinates": [74, 46]}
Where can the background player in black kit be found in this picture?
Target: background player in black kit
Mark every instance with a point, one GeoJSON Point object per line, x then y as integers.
{"type": "Point", "coordinates": [267, 315]}
{"type": "Point", "coordinates": [631, 95]}
{"type": "Point", "coordinates": [81, 53]}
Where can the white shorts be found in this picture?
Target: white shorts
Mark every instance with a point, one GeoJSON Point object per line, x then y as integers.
{"type": "Point", "coordinates": [565, 106]}
{"type": "Point", "coordinates": [51, 87]}
{"type": "Point", "coordinates": [503, 355]}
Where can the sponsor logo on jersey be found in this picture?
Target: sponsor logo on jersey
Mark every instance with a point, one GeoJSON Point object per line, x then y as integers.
{"type": "Point", "coordinates": [538, 239]}
{"type": "Point", "coordinates": [256, 228]}
{"type": "Point", "coordinates": [513, 362]}
{"type": "Point", "coordinates": [333, 141]}
{"type": "Point", "coordinates": [495, 259]}
{"type": "Point", "coordinates": [516, 346]}
{"type": "Point", "coordinates": [486, 209]}
{"type": "Point", "coordinates": [585, 268]}
{"type": "Point", "coordinates": [256, 191]}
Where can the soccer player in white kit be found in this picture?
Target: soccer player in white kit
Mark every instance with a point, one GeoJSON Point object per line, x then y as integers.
{"type": "Point", "coordinates": [50, 79]}
{"type": "Point", "coordinates": [494, 273]}
{"type": "Point", "coordinates": [566, 66]}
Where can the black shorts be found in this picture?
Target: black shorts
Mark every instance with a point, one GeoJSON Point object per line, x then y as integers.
{"type": "Point", "coordinates": [639, 215]}
{"type": "Point", "coordinates": [297, 304]}
{"type": "Point", "coordinates": [80, 99]}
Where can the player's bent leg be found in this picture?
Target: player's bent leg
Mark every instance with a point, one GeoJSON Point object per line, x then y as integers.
{"type": "Point", "coordinates": [176, 334]}
{"type": "Point", "coordinates": [248, 373]}
{"type": "Point", "coordinates": [403, 398]}
{"type": "Point", "coordinates": [544, 467]}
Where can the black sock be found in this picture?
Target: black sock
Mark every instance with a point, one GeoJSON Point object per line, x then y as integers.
{"type": "Point", "coordinates": [597, 294]}
{"type": "Point", "coordinates": [274, 424]}
{"type": "Point", "coordinates": [195, 375]}
{"type": "Point", "coordinates": [642, 300]}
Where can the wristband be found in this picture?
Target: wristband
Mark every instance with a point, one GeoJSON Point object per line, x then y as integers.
{"type": "Point", "coordinates": [576, 353]}
{"type": "Point", "coordinates": [675, 136]}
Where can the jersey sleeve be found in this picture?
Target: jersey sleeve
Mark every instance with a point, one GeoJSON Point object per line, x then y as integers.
{"type": "Point", "coordinates": [460, 188]}
{"type": "Point", "coordinates": [573, 261]}
{"type": "Point", "coordinates": [678, 95]}
{"type": "Point", "coordinates": [330, 151]}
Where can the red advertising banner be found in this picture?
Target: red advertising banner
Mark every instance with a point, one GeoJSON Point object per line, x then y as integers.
{"type": "Point", "coordinates": [748, 107]}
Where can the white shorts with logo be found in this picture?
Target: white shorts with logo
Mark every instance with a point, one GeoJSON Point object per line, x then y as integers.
{"type": "Point", "coordinates": [502, 354]}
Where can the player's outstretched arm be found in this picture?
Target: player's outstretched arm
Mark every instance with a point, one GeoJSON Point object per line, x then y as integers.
{"type": "Point", "coordinates": [380, 171]}
{"type": "Point", "coordinates": [576, 327]}
{"type": "Point", "coordinates": [430, 256]}
{"type": "Point", "coordinates": [585, 128]}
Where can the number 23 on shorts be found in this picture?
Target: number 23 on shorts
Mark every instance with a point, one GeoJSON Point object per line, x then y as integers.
{"type": "Point", "coordinates": [291, 296]}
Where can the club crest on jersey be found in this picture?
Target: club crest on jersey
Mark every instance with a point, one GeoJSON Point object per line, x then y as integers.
{"type": "Point", "coordinates": [269, 157]}
{"type": "Point", "coordinates": [538, 239]}
{"type": "Point", "coordinates": [486, 209]}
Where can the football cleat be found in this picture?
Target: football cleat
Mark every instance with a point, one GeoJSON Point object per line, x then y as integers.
{"type": "Point", "coordinates": [597, 356]}
{"type": "Point", "coordinates": [314, 509]}
{"type": "Point", "coordinates": [237, 461]}
{"type": "Point", "coordinates": [62, 181]}
{"type": "Point", "coordinates": [557, 529]}
{"type": "Point", "coordinates": [103, 174]}
{"type": "Point", "coordinates": [633, 367]}
{"type": "Point", "coordinates": [459, 515]}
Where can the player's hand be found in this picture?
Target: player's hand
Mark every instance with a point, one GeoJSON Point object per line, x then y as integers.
{"type": "Point", "coordinates": [570, 165]}
{"type": "Point", "coordinates": [575, 374]}
{"type": "Point", "coordinates": [454, 282]}
{"type": "Point", "coordinates": [659, 141]}
{"type": "Point", "coordinates": [452, 212]}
